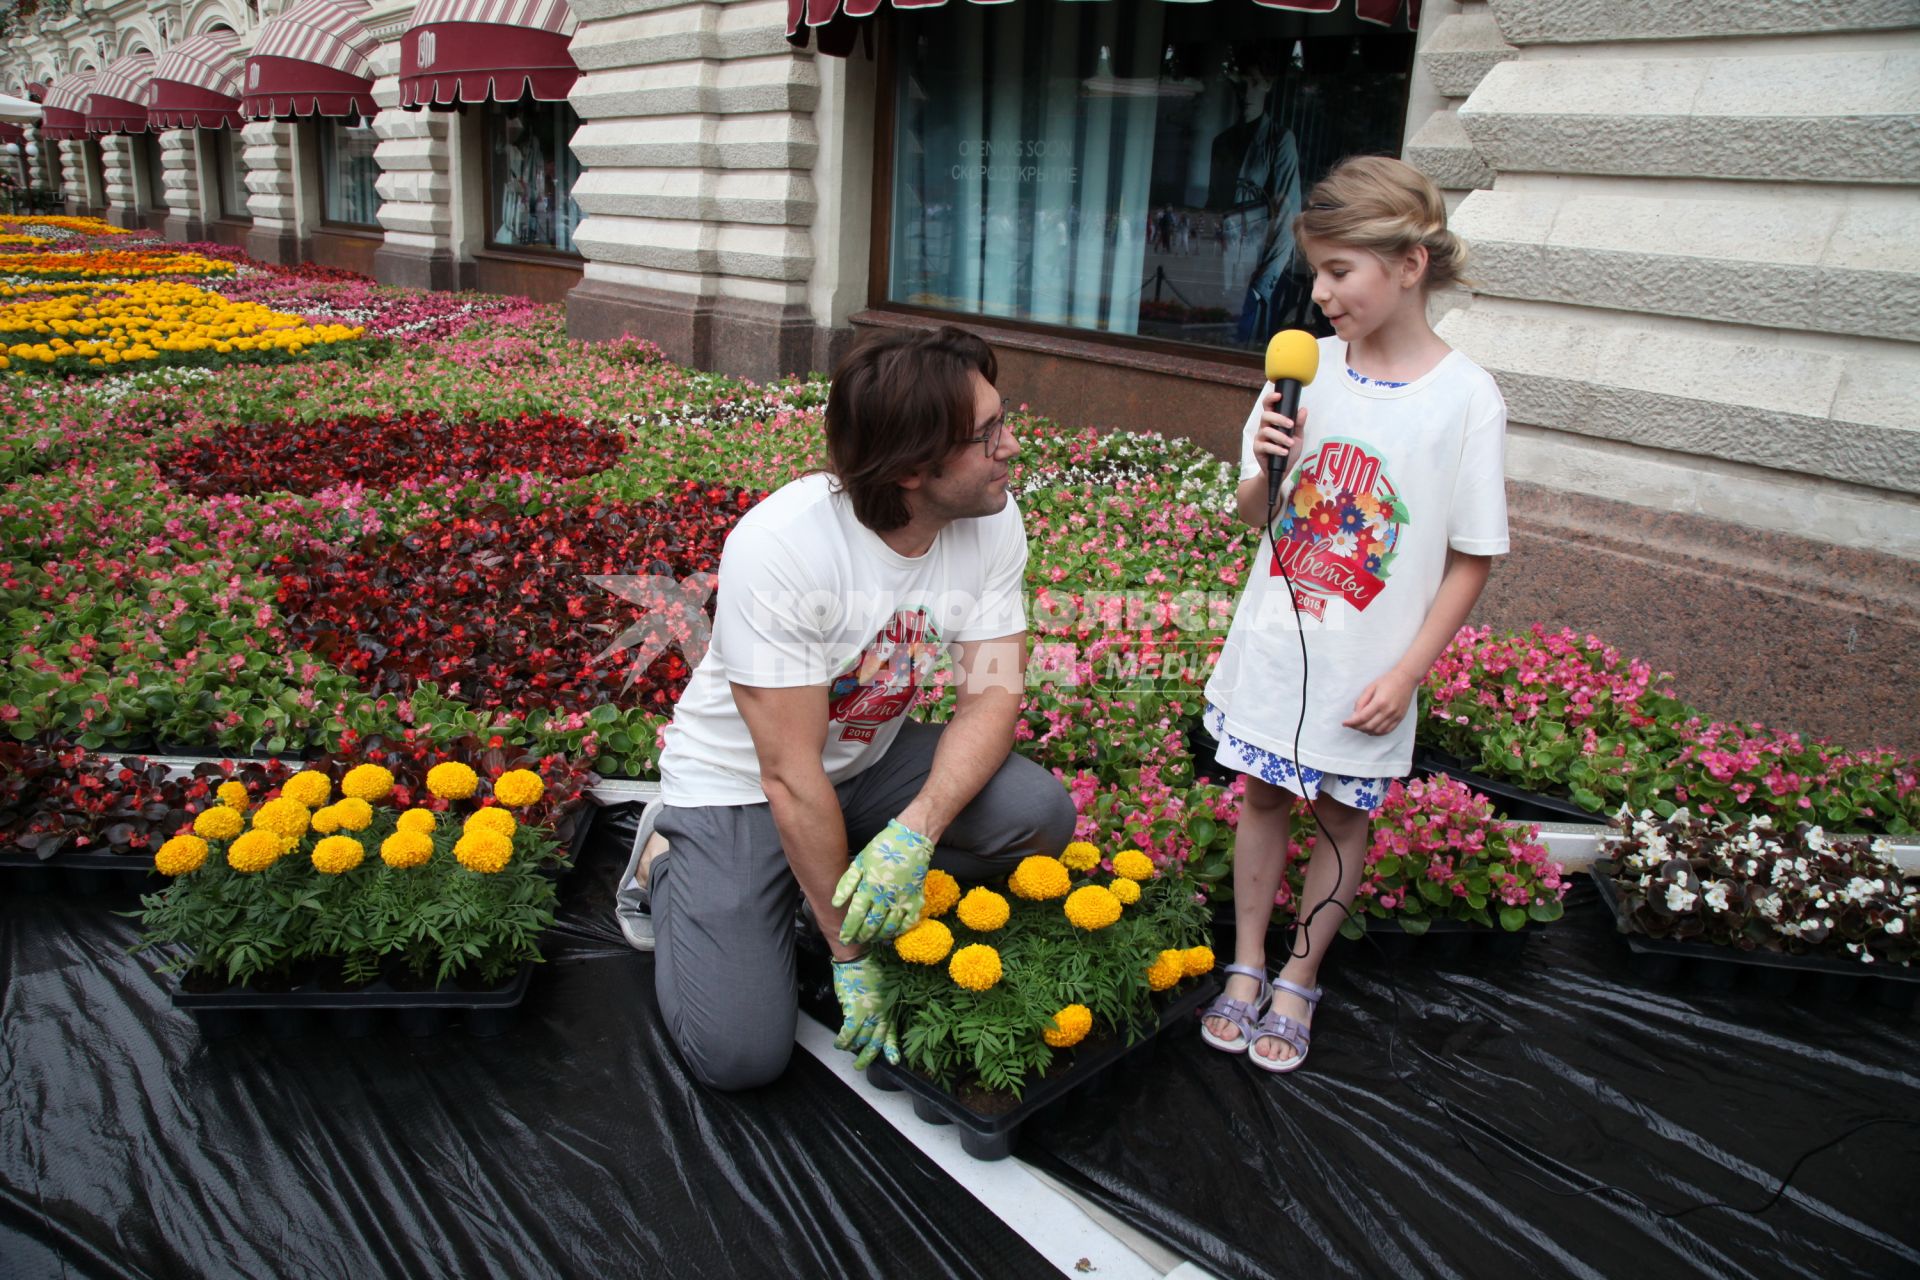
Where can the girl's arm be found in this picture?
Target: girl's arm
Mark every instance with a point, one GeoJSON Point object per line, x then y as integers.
{"type": "Point", "coordinates": [1275, 437]}
{"type": "Point", "coordinates": [1382, 703]}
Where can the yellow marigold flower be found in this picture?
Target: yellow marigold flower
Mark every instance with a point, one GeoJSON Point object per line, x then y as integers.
{"type": "Point", "coordinates": [406, 848]}
{"type": "Point", "coordinates": [926, 943]}
{"type": "Point", "coordinates": [1070, 1026]}
{"type": "Point", "coordinates": [234, 795]}
{"type": "Point", "coordinates": [180, 855]}
{"type": "Point", "coordinates": [483, 851]}
{"type": "Point", "coordinates": [326, 821]}
{"type": "Point", "coordinates": [451, 780]}
{"type": "Point", "coordinates": [422, 820]}
{"type": "Point", "coordinates": [1080, 856]}
{"type": "Point", "coordinates": [1040, 878]}
{"type": "Point", "coordinates": [354, 814]}
{"type": "Point", "coordinates": [255, 851]}
{"type": "Point", "coordinates": [219, 823]}
{"type": "Point", "coordinates": [518, 788]}
{"type": "Point", "coordinates": [283, 816]}
{"type": "Point", "coordinates": [367, 782]}
{"type": "Point", "coordinates": [337, 855]}
{"type": "Point", "coordinates": [309, 788]}
{"type": "Point", "coordinates": [1092, 907]}
{"type": "Point", "coordinates": [983, 910]}
{"type": "Point", "coordinates": [1126, 890]}
{"type": "Point", "coordinates": [492, 818]}
{"type": "Point", "coordinates": [1167, 969]}
{"type": "Point", "coordinates": [1133, 864]}
{"type": "Point", "coordinates": [975, 967]}
{"type": "Point", "coordinates": [941, 891]}
{"type": "Point", "coordinates": [1195, 961]}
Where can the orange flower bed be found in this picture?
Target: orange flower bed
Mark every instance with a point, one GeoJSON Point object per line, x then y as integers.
{"type": "Point", "coordinates": [121, 263]}
{"type": "Point", "coordinates": [18, 222]}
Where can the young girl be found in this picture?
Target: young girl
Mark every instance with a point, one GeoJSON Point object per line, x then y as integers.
{"type": "Point", "coordinates": [1393, 503]}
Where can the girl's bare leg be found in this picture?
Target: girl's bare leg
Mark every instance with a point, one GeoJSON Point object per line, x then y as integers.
{"type": "Point", "coordinates": [1259, 862]}
{"type": "Point", "coordinates": [1327, 876]}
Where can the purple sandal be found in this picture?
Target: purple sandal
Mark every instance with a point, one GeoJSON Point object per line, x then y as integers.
{"type": "Point", "coordinates": [1290, 1031]}
{"type": "Point", "coordinates": [1242, 1014]}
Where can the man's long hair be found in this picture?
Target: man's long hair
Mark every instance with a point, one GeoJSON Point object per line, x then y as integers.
{"type": "Point", "coordinates": [899, 403]}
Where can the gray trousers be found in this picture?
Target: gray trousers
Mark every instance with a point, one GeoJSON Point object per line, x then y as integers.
{"type": "Point", "coordinates": [723, 898]}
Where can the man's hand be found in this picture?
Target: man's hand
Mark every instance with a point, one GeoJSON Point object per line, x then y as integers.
{"type": "Point", "coordinates": [1382, 705]}
{"type": "Point", "coordinates": [863, 1021]}
{"type": "Point", "coordinates": [883, 887]}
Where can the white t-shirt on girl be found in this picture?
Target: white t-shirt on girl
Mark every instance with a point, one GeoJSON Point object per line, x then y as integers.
{"type": "Point", "coordinates": [1385, 481]}
{"type": "Point", "coordinates": [810, 596]}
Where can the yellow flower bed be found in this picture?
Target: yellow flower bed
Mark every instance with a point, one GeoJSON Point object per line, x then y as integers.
{"type": "Point", "coordinates": [22, 241]}
{"type": "Point", "coordinates": [60, 222]}
{"type": "Point", "coordinates": [84, 325]}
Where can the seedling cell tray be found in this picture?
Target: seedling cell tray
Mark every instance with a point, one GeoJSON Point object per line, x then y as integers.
{"type": "Point", "coordinates": [992, 1137]}
{"type": "Point", "coordinates": [1772, 973]}
{"type": "Point", "coordinates": [310, 1007]}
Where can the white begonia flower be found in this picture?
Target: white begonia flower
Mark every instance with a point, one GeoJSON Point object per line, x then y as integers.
{"type": "Point", "coordinates": [1896, 926]}
{"type": "Point", "coordinates": [1716, 895]}
{"type": "Point", "coordinates": [1678, 899]}
{"type": "Point", "coordinates": [1769, 906]}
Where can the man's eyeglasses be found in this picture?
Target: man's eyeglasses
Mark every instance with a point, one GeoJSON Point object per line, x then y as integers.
{"type": "Point", "coordinates": [996, 431]}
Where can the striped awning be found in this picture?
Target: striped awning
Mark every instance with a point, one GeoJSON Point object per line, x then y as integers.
{"type": "Point", "coordinates": [197, 84]}
{"type": "Point", "coordinates": [119, 102]}
{"type": "Point", "coordinates": [835, 22]}
{"type": "Point", "coordinates": [314, 59]}
{"type": "Point", "coordinates": [63, 116]}
{"type": "Point", "coordinates": [12, 133]}
{"type": "Point", "coordinates": [473, 50]}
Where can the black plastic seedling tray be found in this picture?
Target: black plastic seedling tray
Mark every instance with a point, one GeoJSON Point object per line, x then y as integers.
{"type": "Point", "coordinates": [1515, 803]}
{"type": "Point", "coordinates": [992, 1137]}
{"type": "Point", "coordinates": [1443, 940]}
{"type": "Point", "coordinates": [310, 1008]}
{"type": "Point", "coordinates": [1771, 973]}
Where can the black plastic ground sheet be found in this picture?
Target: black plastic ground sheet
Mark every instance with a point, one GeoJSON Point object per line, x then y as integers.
{"type": "Point", "coordinates": [574, 1145]}
{"type": "Point", "coordinates": [1556, 1072]}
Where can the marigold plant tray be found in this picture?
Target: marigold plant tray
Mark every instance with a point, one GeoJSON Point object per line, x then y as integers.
{"type": "Point", "coordinates": [1771, 973]}
{"type": "Point", "coordinates": [987, 1136]}
{"type": "Point", "coordinates": [1510, 800]}
{"type": "Point", "coordinates": [309, 1006]}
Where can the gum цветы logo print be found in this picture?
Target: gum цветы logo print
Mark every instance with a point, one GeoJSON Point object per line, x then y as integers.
{"type": "Point", "coordinates": [1341, 530]}
{"type": "Point", "coordinates": [882, 682]}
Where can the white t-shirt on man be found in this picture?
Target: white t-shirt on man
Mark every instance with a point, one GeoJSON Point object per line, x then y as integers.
{"type": "Point", "coordinates": [1386, 479]}
{"type": "Point", "coordinates": [810, 596]}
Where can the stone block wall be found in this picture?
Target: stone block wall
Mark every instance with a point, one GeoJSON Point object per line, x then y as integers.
{"type": "Point", "coordinates": [187, 215]}
{"type": "Point", "coordinates": [272, 196]}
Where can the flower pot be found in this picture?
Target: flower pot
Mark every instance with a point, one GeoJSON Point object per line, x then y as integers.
{"type": "Point", "coordinates": [1510, 800]}
{"type": "Point", "coordinates": [989, 1132]}
{"type": "Point", "coordinates": [1713, 967]}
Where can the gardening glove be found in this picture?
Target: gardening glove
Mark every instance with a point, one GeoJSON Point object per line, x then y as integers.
{"type": "Point", "coordinates": [863, 1015]}
{"type": "Point", "coordinates": [883, 888]}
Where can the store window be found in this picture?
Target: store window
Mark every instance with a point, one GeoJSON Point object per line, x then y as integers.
{"type": "Point", "coordinates": [348, 171]}
{"type": "Point", "coordinates": [229, 151]}
{"type": "Point", "coordinates": [530, 175]}
{"type": "Point", "coordinates": [1131, 167]}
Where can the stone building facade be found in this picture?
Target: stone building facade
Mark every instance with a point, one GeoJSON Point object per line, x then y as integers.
{"type": "Point", "coordinates": [1696, 243]}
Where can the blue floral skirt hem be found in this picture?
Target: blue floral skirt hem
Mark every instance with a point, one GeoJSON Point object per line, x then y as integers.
{"type": "Point", "coordinates": [1305, 781]}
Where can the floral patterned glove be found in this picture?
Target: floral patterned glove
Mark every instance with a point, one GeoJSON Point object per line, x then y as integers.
{"type": "Point", "coordinates": [883, 888]}
{"type": "Point", "coordinates": [863, 1026]}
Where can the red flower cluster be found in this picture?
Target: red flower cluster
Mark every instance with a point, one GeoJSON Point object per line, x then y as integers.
{"type": "Point", "coordinates": [498, 610]}
{"type": "Point", "coordinates": [308, 457]}
{"type": "Point", "coordinates": [54, 800]}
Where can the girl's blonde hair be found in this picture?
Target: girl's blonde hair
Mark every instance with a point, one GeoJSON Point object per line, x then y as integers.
{"type": "Point", "coordinates": [1385, 206]}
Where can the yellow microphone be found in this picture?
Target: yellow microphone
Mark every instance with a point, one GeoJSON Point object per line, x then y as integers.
{"type": "Point", "coordinates": [1293, 357]}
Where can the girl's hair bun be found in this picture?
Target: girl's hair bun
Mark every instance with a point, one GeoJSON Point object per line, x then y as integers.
{"type": "Point", "coordinates": [1387, 207]}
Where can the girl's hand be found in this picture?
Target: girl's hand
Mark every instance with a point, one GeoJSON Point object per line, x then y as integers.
{"type": "Point", "coordinates": [1275, 437]}
{"type": "Point", "coordinates": [1382, 705]}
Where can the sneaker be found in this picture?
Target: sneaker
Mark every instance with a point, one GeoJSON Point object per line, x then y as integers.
{"type": "Point", "coordinates": [632, 904]}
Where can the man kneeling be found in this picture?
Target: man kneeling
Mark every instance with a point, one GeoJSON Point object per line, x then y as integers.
{"type": "Point", "coordinates": [791, 745]}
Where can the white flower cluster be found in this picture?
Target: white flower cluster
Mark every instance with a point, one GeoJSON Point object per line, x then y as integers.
{"type": "Point", "coordinates": [1123, 457]}
{"type": "Point", "coordinates": [114, 388]}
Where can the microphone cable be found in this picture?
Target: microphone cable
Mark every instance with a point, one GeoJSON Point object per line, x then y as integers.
{"type": "Point", "coordinates": [1301, 946]}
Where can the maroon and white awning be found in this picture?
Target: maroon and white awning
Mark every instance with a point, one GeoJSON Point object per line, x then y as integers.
{"type": "Point", "coordinates": [63, 116]}
{"type": "Point", "coordinates": [36, 92]}
{"type": "Point", "coordinates": [119, 102]}
{"type": "Point", "coordinates": [196, 84]}
{"type": "Point", "coordinates": [472, 50]}
{"type": "Point", "coordinates": [12, 133]}
{"type": "Point", "coordinates": [832, 21]}
{"type": "Point", "coordinates": [314, 59]}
